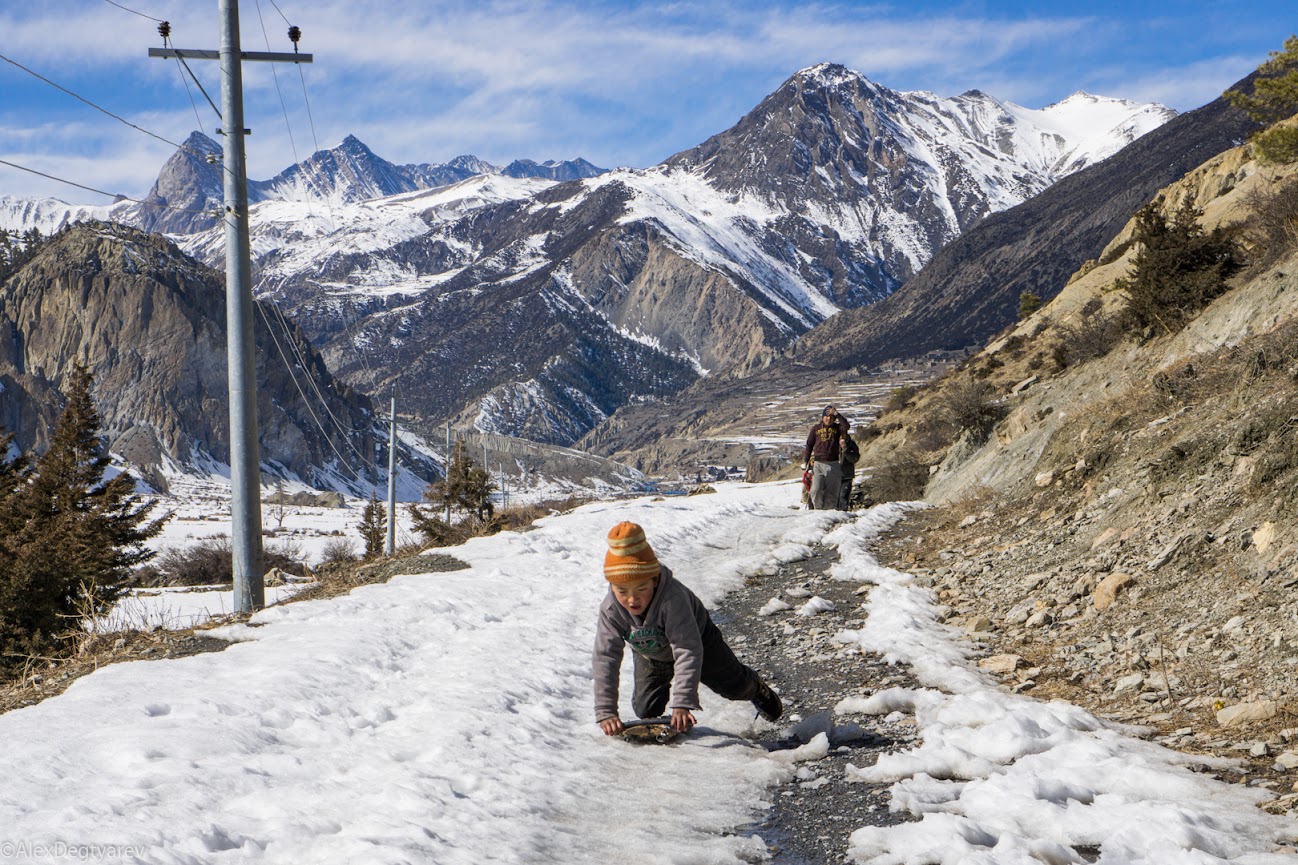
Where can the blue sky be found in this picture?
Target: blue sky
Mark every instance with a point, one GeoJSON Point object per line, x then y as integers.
{"type": "Point", "coordinates": [618, 83]}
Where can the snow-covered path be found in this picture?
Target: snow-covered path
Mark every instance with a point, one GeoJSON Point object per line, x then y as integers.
{"type": "Point", "coordinates": [446, 718]}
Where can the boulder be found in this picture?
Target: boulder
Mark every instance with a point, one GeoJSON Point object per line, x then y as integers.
{"type": "Point", "coordinates": [1001, 664]}
{"type": "Point", "coordinates": [1247, 713]}
{"type": "Point", "coordinates": [1109, 588]}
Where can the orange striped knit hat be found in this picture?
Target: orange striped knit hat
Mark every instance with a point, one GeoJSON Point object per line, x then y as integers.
{"type": "Point", "coordinates": [629, 559]}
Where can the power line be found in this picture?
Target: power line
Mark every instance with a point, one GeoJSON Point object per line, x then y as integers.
{"type": "Point", "coordinates": [188, 92]}
{"type": "Point", "coordinates": [61, 180]}
{"type": "Point", "coordinates": [101, 191]}
{"type": "Point", "coordinates": [132, 11]}
{"type": "Point", "coordinates": [99, 108]}
{"type": "Point", "coordinates": [275, 76]}
{"type": "Point", "coordinates": [305, 402]}
{"type": "Point", "coordinates": [281, 13]}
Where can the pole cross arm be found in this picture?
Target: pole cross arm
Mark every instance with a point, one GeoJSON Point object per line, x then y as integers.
{"type": "Point", "coordinates": [204, 54]}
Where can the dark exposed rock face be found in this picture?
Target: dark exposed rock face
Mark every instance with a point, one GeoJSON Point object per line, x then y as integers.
{"type": "Point", "coordinates": [971, 288]}
{"type": "Point", "coordinates": [150, 324]}
{"type": "Point", "coordinates": [572, 169]}
{"type": "Point", "coordinates": [189, 189]}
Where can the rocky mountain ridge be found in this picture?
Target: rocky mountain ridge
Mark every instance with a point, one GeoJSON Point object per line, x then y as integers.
{"type": "Point", "coordinates": [539, 309]}
{"type": "Point", "coordinates": [826, 196]}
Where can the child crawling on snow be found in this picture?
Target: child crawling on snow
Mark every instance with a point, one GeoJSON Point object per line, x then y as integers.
{"type": "Point", "coordinates": [676, 645]}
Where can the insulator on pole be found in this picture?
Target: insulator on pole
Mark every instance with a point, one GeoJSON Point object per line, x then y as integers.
{"type": "Point", "coordinates": [164, 30]}
{"type": "Point", "coordinates": [294, 34]}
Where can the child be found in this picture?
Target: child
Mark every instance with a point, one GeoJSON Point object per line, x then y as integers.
{"type": "Point", "coordinates": [676, 644]}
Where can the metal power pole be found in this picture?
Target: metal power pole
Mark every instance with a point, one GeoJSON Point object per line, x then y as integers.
{"type": "Point", "coordinates": [245, 457]}
{"type": "Point", "coordinates": [447, 475]}
{"type": "Point", "coordinates": [392, 480]}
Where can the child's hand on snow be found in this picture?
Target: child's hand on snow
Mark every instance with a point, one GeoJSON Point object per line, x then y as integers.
{"type": "Point", "coordinates": [611, 726]}
{"type": "Point", "coordinates": [682, 720]}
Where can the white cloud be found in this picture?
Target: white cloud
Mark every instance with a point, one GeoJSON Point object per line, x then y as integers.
{"type": "Point", "coordinates": [1193, 84]}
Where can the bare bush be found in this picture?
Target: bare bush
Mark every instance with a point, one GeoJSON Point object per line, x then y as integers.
{"type": "Point", "coordinates": [338, 551]}
{"type": "Point", "coordinates": [1274, 222]}
{"type": "Point", "coordinates": [898, 399]}
{"type": "Point", "coordinates": [209, 563]}
{"type": "Point", "coordinates": [971, 407]}
{"type": "Point", "coordinates": [901, 477]}
{"type": "Point", "coordinates": [1094, 335]}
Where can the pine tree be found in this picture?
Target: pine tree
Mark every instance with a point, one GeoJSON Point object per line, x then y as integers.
{"type": "Point", "coordinates": [1178, 270]}
{"type": "Point", "coordinates": [1029, 302]}
{"type": "Point", "coordinates": [374, 527]}
{"type": "Point", "coordinates": [466, 488]}
{"type": "Point", "coordinates": [73, 534]}
{"type": "Point", "coordinates": [1274, 98]}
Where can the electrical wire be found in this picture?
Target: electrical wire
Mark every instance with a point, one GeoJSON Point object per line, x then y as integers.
{"type": "Point", "coordinates": [303, 363]}
{"type": "Point", "coordinates": [281, 13]}
{"type": "Point", "coordinates": [132, 11]}
{"type": "Point", "coordinates": [275, 76]}
{"type": "Point", "coordinates": [115, 195]}
{"type": "Point", "coordinates": [201, 88]}
{"type": "Point", "coordinates": [99, 108]}
{"type": "Point", "coordinates": [305, 402]}
{"type": "Point", "coordinates": [182, 69]}
{"type": "Point", "coordinates": [61, 180]}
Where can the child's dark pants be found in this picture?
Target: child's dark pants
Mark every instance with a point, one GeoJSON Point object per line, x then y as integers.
{"type": "Point", "coordinates": [722, 672]}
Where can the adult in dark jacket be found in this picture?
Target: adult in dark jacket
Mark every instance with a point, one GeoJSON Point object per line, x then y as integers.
{"type": "Point", "coordinates": [822, 452]}
{"type": "Point", "coordinates": [849, 453]}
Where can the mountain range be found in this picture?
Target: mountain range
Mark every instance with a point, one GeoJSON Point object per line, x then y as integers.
{"type": "Point", "coordinates": [520, 301]}
{"type": "Point", "coordinates": [633, 284]}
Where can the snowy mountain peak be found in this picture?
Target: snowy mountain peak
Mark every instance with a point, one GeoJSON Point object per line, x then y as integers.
{"type": "Point", "coordinates": [827, 75]}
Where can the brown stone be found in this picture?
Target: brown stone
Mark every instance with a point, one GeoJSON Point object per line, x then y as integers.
{"type": "Point", "coordinates": [1247, 713]}
{"type": "Point", "coordinates": [1001, 664]}
{"type": "Point", "coordinates": [1109, 588]}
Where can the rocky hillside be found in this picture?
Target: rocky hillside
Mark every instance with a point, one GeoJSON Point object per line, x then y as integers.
{"type": "Point", "coordinates": [1126, 535]}
{"type": "Point", "coordinates": [150, 324]}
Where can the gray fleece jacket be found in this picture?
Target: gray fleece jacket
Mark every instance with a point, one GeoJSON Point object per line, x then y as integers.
{"type": "Point", "coordinates": [671, 631]}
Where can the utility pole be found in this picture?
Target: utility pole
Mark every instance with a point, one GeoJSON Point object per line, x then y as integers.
{"type": "Point", "coordinates": [245, 457]}
{"type": "Point", "coordinates": [392, 480]}
{"type": "Point", "coordinates": [447, 475]}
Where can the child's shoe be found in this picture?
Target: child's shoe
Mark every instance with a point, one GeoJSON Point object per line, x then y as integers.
{"type": "Point", "coordinates": [768, 702]}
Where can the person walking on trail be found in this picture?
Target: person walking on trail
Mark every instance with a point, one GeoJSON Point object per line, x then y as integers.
{"type": "Point", "coordinates": [673, 640]}
{"type": "Point", "coordinates": [849, 453]}
{"type": "Point", "coordinates": [822, 453]}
